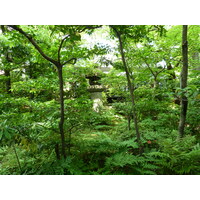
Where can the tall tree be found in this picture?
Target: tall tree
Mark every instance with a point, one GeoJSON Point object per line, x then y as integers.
{"type": "Point", "coordinates": [183, 80]}
{"type": "Point", "coordinates": [130, 84]}
{"type": "Point", "coordinates": [59, 65]}
{"type": "Point", "coordinates": [59, 62]}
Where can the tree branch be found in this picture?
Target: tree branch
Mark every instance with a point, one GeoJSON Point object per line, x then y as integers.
{"type": "Point", "coordinates": [59, 49]}
{"type": "Point", "coordinates": [72, 59]}
{"type": "Point", "coordinates": [89, 27]}
{"type": "Point", "coordinates": [177, 64]}
{"type": "Point", "coordinates": [161, 70]}
{"type": "Point", "coordinates": [34, 44]}
{"type": "Point", "coordinates": [147, 64]}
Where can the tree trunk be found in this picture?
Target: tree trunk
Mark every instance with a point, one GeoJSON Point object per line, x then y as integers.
{"type": "Point", "coordinates": [69, 142]}
{"type": "Point", "coordinates": [155, 84]}
{"type": "Point", "coordinates": [8, 82]}
{"type": "Point", "coordinates": [57, 151]}
{"type": "Point", "coordinates": [129, 122]}
{"type": "Point", "coordinates": [131, 89]}
{"type": "Point", "coordinates": [183, 81]}
{"type": "Point", "coordinates": [61, 123]}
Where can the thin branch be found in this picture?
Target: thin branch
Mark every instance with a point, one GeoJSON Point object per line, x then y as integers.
{"type": "Point", "coordinates": [89, 27]}
{"type": "Point", "coordinates": [17, 157]}
{"type": "Point", "coordinates": [161, 70]}
{"type": "Point", "coordinates": [69, 61]}
{"type": "Point", "coordinates": [177, 64]}
{"type": "Point", "coordinates": [154, 74]}
{"type": "Point", "coordinates": [147, 64]}
{"type": "Point", "coordinates": [60, 47]}
{"type": "Point", "coordinates": [34, 44]}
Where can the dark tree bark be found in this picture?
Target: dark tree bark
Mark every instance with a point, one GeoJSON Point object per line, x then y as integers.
{"type": "Point", "coordinates": [129, 122]}
{"type": "Point", "coordinates": [8, 81]}
{"type": "Point", "coordinates": [61, 123]}
{"type": "Point", "coordinates": [130, 86]}
{"type": "Point", "coordinates": [57, 151]}
{"type": "Point", "coordinates": [69, 142]}
{"type": "Point", "coordinates": [183, 81]}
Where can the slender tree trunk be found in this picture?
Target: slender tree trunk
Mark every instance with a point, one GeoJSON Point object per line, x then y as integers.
{"type": "Point", "coordinates": [69, 143]}
{"type": "Point", "coordinates": [57, 151]}
{"type": "Point", "coordinates": [131, 89]}
{"type": "Point", "coordinates": [8, 82]}
{"type": "Point", "coordinates": [129, 122]}
{"type": "Point", "coordinates": [61, 123]}
{"type": "Point", "coordinates": [16, 155]}
{"type": "Point", "coordinates": [183, 81]}
{"type": "Point", "coordinates": [155, 84]}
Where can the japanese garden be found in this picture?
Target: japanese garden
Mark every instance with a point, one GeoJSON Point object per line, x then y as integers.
{"type": "Point", "coordinates": [99, 99]}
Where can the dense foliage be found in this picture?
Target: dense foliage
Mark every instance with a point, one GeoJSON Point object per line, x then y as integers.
{"type": "Point", "coordinates": [98, 138]}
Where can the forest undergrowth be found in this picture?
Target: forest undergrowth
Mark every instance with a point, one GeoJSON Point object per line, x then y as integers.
{"type": "Point", "coordinates": [107, 147]}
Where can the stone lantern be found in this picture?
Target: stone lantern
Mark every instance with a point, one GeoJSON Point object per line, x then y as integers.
{"type": "Point", "coordinates": [95, 88]}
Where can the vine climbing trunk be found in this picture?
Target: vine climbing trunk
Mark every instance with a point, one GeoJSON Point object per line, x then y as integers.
{"type": "Point", "coordinates": [183, 81]}
{"type": "Point", "coordinates": [130, 87]}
